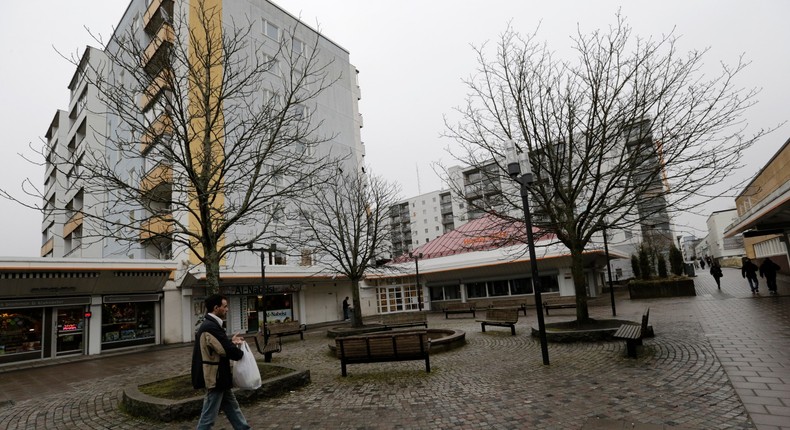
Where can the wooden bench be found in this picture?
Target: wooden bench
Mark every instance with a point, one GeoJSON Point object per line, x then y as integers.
{"type": "Point", "coordinates": [281, 329]}
{"type": "Point", "coordinates": [518, 304]}
{"type": "Point", "coordinates": [633, 334]}
{"type": "Point", "coordinates": [399, 319]}
{"type": "Point", "coordinates": [502, 318]}
{"type": "Point", "coordinates": [267, 348]}
{"type": "Point", "coordinates": [398, 346]}
{"type": "Point", "coordinates": [458, 308]}
{"type": "Point", "coordinates": [559, 302]}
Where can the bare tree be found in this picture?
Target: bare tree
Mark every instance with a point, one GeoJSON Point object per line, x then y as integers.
{"type": "Point", "coordinates": [209, 137]}
{"type": "Point", "coordinates": [627, 133]}
{"type": "Point", "coordinates": [347, 223]}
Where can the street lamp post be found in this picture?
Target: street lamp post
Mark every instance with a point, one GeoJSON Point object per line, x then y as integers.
{"type": "Point", "coordinates": [609, 269]}
{"type": "Point", "coordinates": [263, 251]}
{"type": "Point", "coordinates": [416, 258]}
{"type": "Point", "coordinates": [519, 169]}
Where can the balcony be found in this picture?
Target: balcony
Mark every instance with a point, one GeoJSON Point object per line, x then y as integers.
{"type": "Point", "coordinates": [47, 247]}
{"type": "Point", "coordinates": [73, 223]}
{"type": "Point", "coordinates": [161, 126]}
{"type": "Point", "coordinates": [156, 226]}
{"type": "Point", "coordinates": [158, 84]}
{"type": "Point", "coordinates": [159, 175]}
{"type": "Point", "coordinates": [158, 12]}
{"type": "Point", "coordinates": [446, 208]}
{"type": "Point", "coordinates": [155, 55]}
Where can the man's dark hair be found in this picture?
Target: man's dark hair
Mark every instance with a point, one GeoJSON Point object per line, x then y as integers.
{"type": "Point", "coordinates": [214, 300]}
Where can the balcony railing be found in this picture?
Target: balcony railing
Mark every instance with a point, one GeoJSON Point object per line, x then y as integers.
{"type": "Point", "coordinates": [159, 83]}
{"type": "Point", "coordinates": [155, 227]}
{"type": "Point", "coordinates": [161, 126]}
{"type": "Point", "coordinates": [161, 174]}
{"type": "Point", "coordinates": [158, 12]}
{"type": "Point", "coordinates": [47, 247]}
{"type": "Point", "coordinates": [155, 55]}
{"type": "Point", "coordinates": [72, 224]}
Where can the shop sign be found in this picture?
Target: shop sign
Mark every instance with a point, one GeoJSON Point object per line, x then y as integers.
{"type": "Point", "coordinates": [38, 303]}
{"type": "Point", "coordinates": [132, 298]}
{"type": "Point", "coordinates": [255, 290]}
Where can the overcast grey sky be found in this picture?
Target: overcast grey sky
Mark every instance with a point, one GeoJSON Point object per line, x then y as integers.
{"type": "Point", "coordinates": [411, 56]}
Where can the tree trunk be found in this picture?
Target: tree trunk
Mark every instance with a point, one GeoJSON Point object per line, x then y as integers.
{"type": "Point", "coordinates": [212, 273]}
{"type": "Point", "coordinates": [357, 320]}
{"type": "Point", "coordinates": [579, 283]}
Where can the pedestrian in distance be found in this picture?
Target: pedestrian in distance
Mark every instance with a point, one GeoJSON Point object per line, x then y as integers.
{"type": "Point", "coordinates": [768, 271]}
{"type": "Point", "coordinates": [749, 271]}
{"type": "Point", "coordinates": [345, 308]}
{"type": "Point", "coordinates": [715, 270]}
{"type": "Point", "coordinates": [211, 357]}
{"type": "Point", "coordinates": [702, 263]}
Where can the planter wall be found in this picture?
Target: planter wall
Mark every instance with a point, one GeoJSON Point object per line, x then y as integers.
{"type": "Point", "coordinates": [138, 404]}
{"type": "Point", "coordinates": [661, 288]}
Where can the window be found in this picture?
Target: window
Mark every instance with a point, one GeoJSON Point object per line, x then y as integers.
{"type": "Point", "coordinates": [437, 228]}
{"type": "Point", "coordinates": [426, 230]}
{"type": "Point", "coordinates": [298, 46]}
{"type": "Point", "coordinates": [498, 288]}
{"type": "Point", "coordinates": [271, 31]}
{"type": "Point", "coordinates": [476, 289]}
{"type": "Point", "coordinates": [436, 218]}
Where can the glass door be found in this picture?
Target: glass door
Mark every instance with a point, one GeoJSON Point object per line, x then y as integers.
{"type": "Point", "coordinates": [70, 328]}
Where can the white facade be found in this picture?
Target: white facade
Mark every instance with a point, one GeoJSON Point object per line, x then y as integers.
{"type": "Point", "coordinates": [725, 250]}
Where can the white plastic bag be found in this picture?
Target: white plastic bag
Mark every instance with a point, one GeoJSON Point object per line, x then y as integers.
{"type": "Point", "coordinates": [245, 371]}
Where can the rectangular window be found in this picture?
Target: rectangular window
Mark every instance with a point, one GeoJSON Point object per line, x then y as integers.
{"type": "Point", "coordinates": [271, 31]}
{"type": "Point", "coordinates": [498, 288]}
{"type": "Point", "coordinates": [521, 286]}
{"type": "Point", "coordinates": [476, 289]}
{"type": "Point", "coordinates": [298, 46]}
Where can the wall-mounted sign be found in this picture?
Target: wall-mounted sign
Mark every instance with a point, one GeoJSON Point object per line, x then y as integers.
{"type": "Point", "coordinates": [254, 290]}
{"type": "Point", "coordinates": [38, 303]}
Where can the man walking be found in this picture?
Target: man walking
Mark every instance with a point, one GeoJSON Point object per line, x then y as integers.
{"type": "Point", "coordinates": [211, 357]}
{"type": "Point", "coordinates": [768, 270]}
{"type": "Point", "coordinates": [345, 308]}
{"type": "Point", "coordinates": [749, 271]}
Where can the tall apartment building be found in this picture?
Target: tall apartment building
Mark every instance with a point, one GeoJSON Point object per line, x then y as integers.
{"type": "Point", "coordinates": [85, 126]}
{"type": "Point", "coordinates": [418, 220]}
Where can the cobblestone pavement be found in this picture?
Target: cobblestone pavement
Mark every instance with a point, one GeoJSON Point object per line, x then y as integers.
{"type": "Point", "coordinates": [720, 360]}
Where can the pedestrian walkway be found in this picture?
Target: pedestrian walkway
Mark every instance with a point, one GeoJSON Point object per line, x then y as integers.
{"type": "Point", "coordinates": [719, 360]}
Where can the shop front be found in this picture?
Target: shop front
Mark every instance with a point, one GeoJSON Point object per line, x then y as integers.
{"type": "Point", "coordinates": [53, 308]}
{"type": "Point", "coordinates": [42, 328]}
{"type": "Point", "coordinates": [249, 303]}
{"type": "Point", "coordinates": [129, 320]}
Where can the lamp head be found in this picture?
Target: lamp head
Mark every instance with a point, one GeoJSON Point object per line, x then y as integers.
{"type": "Point", "coordinates": [517, 160]}
{"type": "Point", "coordinates": [249, 246]}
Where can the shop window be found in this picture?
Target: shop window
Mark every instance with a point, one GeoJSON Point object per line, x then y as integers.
{"type": "Point", "coordinates": [127, 324]}
{"type": "Point", "coordinates": [549, 284]}
{"type": "Point", "coordinates": [398, 299]}
{"type": "Point", "coordinates": [476, 289]}
{"type": "Point", "coordinates": [20, 331]}
{"type": "Point", "coordinates": [436, 293]}
{"type": "Point", "coordinates": [498, 288]}
{"type": "Point", "coordinates": [521, 286]}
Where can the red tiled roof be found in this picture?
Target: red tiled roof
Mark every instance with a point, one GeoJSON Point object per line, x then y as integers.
{"type": "Point", "coordinates": [488, 232]}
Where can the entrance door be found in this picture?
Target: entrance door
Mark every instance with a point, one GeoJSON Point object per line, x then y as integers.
{"type": "Point", "coordinates": [70, 329]}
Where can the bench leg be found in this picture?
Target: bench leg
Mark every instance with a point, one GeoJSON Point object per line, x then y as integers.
{"type": "Point", "coordinates": [513, 330]}
{"type": "Point", "coordinates": [524, 310]}
{"type": "Point", "coordinates": [427, 364]}
{"type": "Point", "coordinates": [483, 326]}
{"type": "Point", "coordinates": [343, 368]}
{"type": "Point", "coordinates": [301, 335]}
{"type": "Point", "coordinates": [267, 357]}
{"type": "Point", "coordinates": [630, 346]}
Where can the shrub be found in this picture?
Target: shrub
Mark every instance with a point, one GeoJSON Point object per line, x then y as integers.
{"type": "Point", "coordinates": [645, 268]}
{"type": "Point", "coordinates": [675, 260]}
{"type": "Point", "coordinates": [635, 266]}
{"type": "Point", "coordinates": [662, 266]}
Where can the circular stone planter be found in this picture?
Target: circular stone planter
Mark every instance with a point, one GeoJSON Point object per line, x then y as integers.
{"type": "Point", "coordinates": [142, 405]}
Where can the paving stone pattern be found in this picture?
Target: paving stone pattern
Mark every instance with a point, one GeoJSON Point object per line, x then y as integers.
{"type": "Point", "coordinates": [719, 361]}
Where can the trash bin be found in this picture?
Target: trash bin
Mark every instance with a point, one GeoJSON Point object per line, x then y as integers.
{"type": "Point", "coordinates": [690, 269]}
